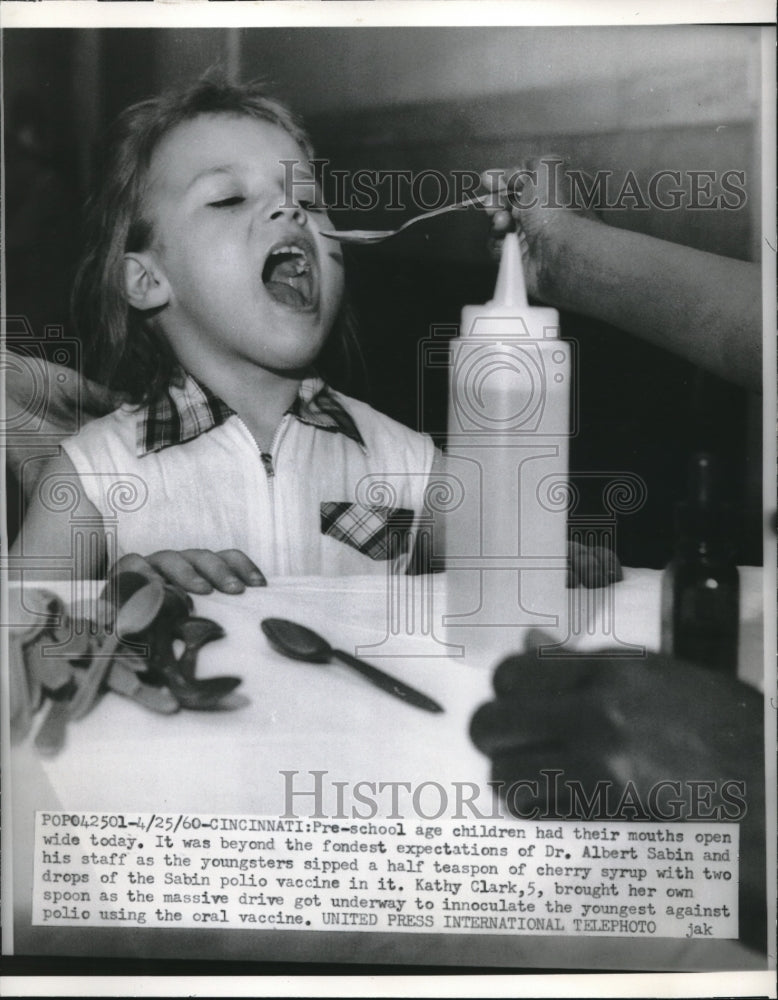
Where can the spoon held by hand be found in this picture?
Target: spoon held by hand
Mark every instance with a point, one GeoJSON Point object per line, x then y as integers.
{"type": "Point", "coordinates": [365, 237]}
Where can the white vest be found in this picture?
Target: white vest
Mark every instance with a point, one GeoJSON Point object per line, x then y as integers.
{"type": "Point", "coordinates": [215, 492]}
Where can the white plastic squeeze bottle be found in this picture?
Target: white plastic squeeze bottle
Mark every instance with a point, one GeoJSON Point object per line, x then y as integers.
{"type": "Point", "coordinates": [507, 451]}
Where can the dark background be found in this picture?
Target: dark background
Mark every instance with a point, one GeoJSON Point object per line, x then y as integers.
{"type": "Point", "coordinates": [644, 99]}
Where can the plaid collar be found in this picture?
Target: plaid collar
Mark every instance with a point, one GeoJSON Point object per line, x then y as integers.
{"type": "Point", "coordinates": [190, 409]}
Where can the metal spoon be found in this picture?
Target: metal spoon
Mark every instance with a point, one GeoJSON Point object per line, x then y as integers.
{"type": "Point", "coordinates": [365, 236]}
{"type": "Point", "coordinates": [135, 615]}
{"type": "Point", "coordinates": [200, 695]}
{"type": "Point", "coordinates": [195, 632]}
{"type": "Point", "coordinates": [301, 643]}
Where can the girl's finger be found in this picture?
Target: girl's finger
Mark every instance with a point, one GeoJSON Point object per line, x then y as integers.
{"type": "Point", "coordinates": [243, 567]}
{"type": "Point", "coordinates": [134, 563]}
{"type": "Point", "coordinates": [179, 568]}
{"type": "Point", "coordinates": [215, 570]}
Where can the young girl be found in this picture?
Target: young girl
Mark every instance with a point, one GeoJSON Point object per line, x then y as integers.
{"type": "Point", "coordinates": [211, 304]}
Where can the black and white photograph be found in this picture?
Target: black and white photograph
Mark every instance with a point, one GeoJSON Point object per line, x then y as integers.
{"type": "Point", "coordinates": [389, 487]}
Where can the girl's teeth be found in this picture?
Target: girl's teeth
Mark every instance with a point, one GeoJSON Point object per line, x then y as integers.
{"type": "Point", "coordinates": [300, 258]}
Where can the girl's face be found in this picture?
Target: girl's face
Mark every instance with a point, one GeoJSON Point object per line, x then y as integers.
{"type": "Point", "coordinates": [246, 272]}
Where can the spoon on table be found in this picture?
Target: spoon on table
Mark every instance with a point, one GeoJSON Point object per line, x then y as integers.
{"type": "Point", "coordinates": [135, 615]}
{"type": "Point", "coordinates": [178, 675]}
{"type": "Point", "coordinates": [302, 643]}
{"type": "Point", "coordinates": [204, 694]}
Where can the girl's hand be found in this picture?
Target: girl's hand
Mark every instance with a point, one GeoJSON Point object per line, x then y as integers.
{"type": "Point", "coordinates": [536, 198]}
{"type": "Point", "coordinates": [197, 570]}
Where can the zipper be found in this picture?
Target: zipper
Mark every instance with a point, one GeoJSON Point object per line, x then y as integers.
{"type": "Point", "coordinates": [266, 457]}
{"type": "Point", "coordinates": [267, 461]}
{"type": "Point", "coordinates": [268, 464]}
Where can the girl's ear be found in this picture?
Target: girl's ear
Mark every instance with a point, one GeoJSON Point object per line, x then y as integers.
{"type": "Point", "coordinates": [145, 286]}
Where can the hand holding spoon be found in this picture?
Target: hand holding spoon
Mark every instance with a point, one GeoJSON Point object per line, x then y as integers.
{"type": "Point", "coordinates": [301, 643]}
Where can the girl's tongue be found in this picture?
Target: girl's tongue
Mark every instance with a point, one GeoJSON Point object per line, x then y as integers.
{"type": "Point", "coordinates": [287, 277]}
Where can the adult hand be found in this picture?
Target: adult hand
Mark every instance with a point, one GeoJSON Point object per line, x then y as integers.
{"type": "Point", "coordinates": [537, 199]}
{"type": "Point", "coordinates": [700, 306]}
{"type": "Point", "coordinates": [197, 570]}
{"type": "Point", "coordinates": [45, 402]}
{"type": "Point", "coordinates": [641, 723]}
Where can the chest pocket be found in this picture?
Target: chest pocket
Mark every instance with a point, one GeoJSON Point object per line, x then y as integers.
{"type": "Point", "coordinates": [381, 533]}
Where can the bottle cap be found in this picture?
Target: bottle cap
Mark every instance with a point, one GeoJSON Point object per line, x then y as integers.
{"type": "Point", "coordinates": [510, 289]}
{"type": "Point", "coordinates": [508, 315]}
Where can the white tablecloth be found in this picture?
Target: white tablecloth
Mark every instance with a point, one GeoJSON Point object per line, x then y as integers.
{"type": "Point", "coordinates": [307, 717]}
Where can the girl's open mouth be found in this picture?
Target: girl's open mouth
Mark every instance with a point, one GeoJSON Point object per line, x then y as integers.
{"type": "Point", "coordinates": [289, 274]}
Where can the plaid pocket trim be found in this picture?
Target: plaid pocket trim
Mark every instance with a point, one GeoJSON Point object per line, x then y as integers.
{"type": "Point", "coordinates": [381, 533]}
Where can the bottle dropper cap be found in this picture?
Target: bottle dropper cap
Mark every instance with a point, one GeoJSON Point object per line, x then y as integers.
{"type": "Point", "coordinates": [508, 314]}
{"type": "Point", "coordinates": [510, 289]}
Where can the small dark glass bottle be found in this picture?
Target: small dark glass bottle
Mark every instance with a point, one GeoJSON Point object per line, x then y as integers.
{"type": "Point", "coordinates": [701, 584]}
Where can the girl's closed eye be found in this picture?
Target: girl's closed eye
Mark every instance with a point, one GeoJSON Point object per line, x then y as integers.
{"type": "Point", "coordinates": [229, 202]}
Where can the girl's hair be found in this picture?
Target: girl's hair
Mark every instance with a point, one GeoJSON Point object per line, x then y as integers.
{"type": "Point", "coordinates": [123, 348]}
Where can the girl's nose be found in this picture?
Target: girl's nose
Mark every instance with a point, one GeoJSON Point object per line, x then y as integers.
{"type": "Point", "coordinates": [294, 212]}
